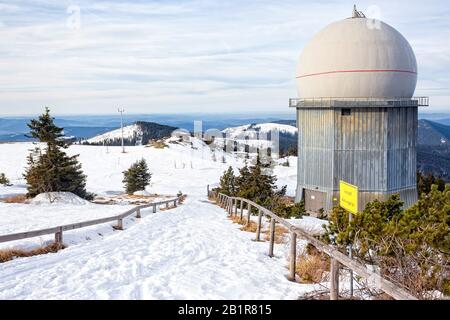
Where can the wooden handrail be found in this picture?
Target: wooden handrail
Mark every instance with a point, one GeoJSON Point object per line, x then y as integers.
{"type": "Point", "coordinates": [78, 225]}
{"type": "Point", "coordinates": [336, 256]}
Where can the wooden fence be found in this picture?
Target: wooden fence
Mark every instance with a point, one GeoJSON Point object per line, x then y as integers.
{"type": "Point", "coordinates": [58, 231]}
{"type": "Point", "coordinates": [337, 258]}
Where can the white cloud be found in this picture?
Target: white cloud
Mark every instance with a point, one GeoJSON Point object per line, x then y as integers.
{"type": "Point", "coordinates": [178, 56]}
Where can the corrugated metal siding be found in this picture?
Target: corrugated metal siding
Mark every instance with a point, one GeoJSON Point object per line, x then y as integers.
{"type": "Point", "coordinates": [360, 148]}
{"type": "Point", "coordinates": [373, 148]}
{"type": "Point", "coordinates": [315, 139]}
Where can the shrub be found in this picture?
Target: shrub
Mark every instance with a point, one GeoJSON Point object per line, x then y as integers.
{"type": "Point", "coordinates": [311, 268]}
{"type": "Point", "coordinates": [411, 247]}
{"type": "Point", "coordinates": [137, 177]}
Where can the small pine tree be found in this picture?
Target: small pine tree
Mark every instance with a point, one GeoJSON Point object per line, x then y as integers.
{"type": "Point", "coordinates": [256, 185]}
{"type": "Point", "coordinates": [137, 177]}
{"type": "Point", "coordinates": [242, 180]}
{"type": "Point", "coordinates": [53, 170]}
{"type": "Point", "coordinates": [3, 180]}
{"type": "Point", "coordinates": [228, 183]}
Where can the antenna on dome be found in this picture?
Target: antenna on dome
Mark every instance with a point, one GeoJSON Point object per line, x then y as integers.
{"type": "Point", "coordinates": [356, 13]}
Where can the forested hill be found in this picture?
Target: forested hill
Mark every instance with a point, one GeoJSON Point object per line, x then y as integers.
{"type": "Point", "coordinates": [139, 133]}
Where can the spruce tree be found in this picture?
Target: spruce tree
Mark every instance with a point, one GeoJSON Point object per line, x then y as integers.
{"type": "Point", "coordinates": [257, 185]}
{"type": "Point", "coordinates": [53, 170]}
{"type": "Point", "coordinates": [228, 183]}
{"type": "Point", "coordinates": [242, 180]}
{"type": "Point", "coordinates": [44, 130]}
{"type": "Point", "coordinates": [137, 177]}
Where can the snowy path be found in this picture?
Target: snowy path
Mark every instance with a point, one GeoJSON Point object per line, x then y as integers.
{"type": "Point", "coordinates": [191, 252]}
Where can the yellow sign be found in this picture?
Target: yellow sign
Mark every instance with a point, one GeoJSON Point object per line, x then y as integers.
{"type": "Point", "coordinates": [349, 197]}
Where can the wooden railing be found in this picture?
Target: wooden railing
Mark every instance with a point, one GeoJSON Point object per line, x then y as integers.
{"type": "Point", "coordinates": [58, 231]}
{"type": "Point", "coordinates": [337, 258]}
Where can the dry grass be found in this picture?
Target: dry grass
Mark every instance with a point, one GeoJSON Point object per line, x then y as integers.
{"type": "Point", "coordinates": [312, 266]}
{"type": "Point", "coordinates": [237, 219]}
{"type": "Point", "coordinates": [382, 296]}
{"type": "Point", "coordinates": [251, 227]}
{"type": "Point", "coordinates": [280, 234]}
{"type": "Point", "coordinates": [157, 144]}
{"type": "Point", "coordinates": [21, 198]}
{"type": "Point", "coordinates": [10, 254]}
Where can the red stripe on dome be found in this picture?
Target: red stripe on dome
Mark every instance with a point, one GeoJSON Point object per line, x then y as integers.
{"type": "Point", "coordinates": [356, 71]}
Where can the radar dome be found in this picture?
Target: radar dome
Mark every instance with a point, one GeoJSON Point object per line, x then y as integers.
{"type": "Point", "coordinates": [357, 58]}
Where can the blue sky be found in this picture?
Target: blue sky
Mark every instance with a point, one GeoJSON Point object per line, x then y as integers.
{"type": "Point", "coordinates": [172, 56]}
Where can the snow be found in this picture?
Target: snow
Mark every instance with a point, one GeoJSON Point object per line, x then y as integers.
{"type": "Point", "coordinates": [240, 131]}
{"type": "Point", "coordinates": [189, 252]}
{"type": "Point", "coordinates": [142, 193]}
{"type": "Point", "coordinates": [58, 198]}
{"type": "Point", "coordinates": [192, 252]}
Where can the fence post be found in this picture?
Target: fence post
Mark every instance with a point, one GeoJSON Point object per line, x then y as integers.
{"type": "Point", "coordinates": [249, 213]}
{"type": "Point", "coordinates": [175, 203]}
{"type": "Point", "coordinates": [293, 256]}
{"type": "Point", "coordinates": [272, 236]}
{"type": "Point", "coordinates": [59, 236]}
{"type": "Point", "coordinates": [138, 213]}
{"type": "Point", "coordinates": [258, 227]}
{"type": "Point", "coordinates": [242, 208]}
{"type": "Point", "coordinates": [154, 208]}
{"type": "Point", "coordinates": [167, 205]}
{"type": "Point", "coordinates": [235, 207]}
{"type": "Point", "coordinates": [119, 224]}
{"type": "Point", "coordinates": [334, 279]}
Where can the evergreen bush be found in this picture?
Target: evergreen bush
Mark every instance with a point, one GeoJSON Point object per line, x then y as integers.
{"type": "Point", "coordinates": [137, 177]}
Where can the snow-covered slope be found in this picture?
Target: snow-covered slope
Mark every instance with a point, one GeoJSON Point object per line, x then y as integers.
{"type": "Point", "coordinates": [235, 132]}
{"type": "Point", "coordinates": [191, 252]}
{"type": "Point", "coordinates": [129, 132]}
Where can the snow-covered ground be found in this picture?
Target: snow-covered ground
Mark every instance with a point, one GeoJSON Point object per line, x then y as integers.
{"type": "Point", "coordinates": [191, 252]}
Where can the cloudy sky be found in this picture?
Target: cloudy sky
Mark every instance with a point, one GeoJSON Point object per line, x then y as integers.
{"type": "Point", "coordinates": [175, 56]}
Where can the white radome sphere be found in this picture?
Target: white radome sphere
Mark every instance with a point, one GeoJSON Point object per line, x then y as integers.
{"type": "Point", "coordinates": [357, 58]}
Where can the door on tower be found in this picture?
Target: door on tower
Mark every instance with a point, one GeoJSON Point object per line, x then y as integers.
{"type": "Point", "coordinates": [314, 200]}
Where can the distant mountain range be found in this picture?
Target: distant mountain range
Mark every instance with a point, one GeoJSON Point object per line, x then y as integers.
{"type": "Point", "coordinates": [433, 151]}
{"type": "Point", "coordinates": [13, 129]}
{"type": "Point", "coordinates": [433, 134]}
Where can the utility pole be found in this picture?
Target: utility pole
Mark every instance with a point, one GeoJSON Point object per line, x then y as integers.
{"type": "Point", "coordinates": [121, 111]}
